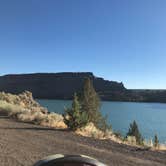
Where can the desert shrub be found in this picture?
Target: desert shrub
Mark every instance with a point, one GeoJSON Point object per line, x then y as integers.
{"type": "Point", "coordinates": [24, 100]}
{"type": "Point", "coordinates": [134, 131]}
{"type": "Point", "coordinates": [53, 120]}
{"type": "Point", "coordinates": [74, 118]}
{"type": "Point", "coordinates": [90, 130]}
{"type": "Point", "coordinates": [24, 108]}
{"type": "Point", "coordinates": [118, 135]}
{"type": "Point", "coordinates": [156, 141]}
{"type": "Point", "coordinates": [148, 143]}
{"type": "Point", "coordinates": [11, 109]}
{"type": "Point", "coordinates": [131, 140]}
{"type": "Point", "coordinates": [29, 116]}
{"type": "Point", "coordinates": [103, 124]}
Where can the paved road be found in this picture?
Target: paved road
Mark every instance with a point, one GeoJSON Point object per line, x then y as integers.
{"type": "Point", "coordinates": [22, 144]}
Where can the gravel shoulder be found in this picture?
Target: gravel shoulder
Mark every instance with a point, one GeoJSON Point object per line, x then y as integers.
{"type": "Point", "coordinates": [22, 144]}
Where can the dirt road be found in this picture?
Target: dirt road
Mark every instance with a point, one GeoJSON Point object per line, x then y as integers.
{"type": "Point", "coordinates": [22, 144]}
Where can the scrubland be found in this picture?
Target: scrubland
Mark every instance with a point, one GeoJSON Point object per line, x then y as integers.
{"type": "Point", "coordinates": [24, 108]}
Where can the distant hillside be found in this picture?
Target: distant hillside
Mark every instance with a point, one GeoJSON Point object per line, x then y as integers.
{"type": "Point", "coordinates": [63, 86]}
{"type": "Point", "coordinates": [55, 85]}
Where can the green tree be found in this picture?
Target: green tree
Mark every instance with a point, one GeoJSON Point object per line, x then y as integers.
{"type": "Point", "coordinates": [90, 102]}
{"type": "Point", "coordinates": [134, 131]}
{"type": "Point", "coordinates": [73, 117]}
{"type": "Point", "coordinates": [156, 141]}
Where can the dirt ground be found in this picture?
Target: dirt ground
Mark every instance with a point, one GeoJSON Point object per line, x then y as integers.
{"type": "Point", "coordinates": [22, 144]}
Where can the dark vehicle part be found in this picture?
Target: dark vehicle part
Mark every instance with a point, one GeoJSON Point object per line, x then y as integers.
{"type": "Point", "coordinates": [68, 160]}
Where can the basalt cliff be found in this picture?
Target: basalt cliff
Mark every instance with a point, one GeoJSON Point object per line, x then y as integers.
{"type": "Point", "coordinates": [63, 86]}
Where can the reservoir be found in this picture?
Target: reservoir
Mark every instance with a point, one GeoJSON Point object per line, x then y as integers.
{"type": "Point", "coordinates": [150, 117]}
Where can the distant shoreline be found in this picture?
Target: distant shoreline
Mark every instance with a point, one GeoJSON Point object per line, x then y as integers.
{"type": "Point", "coordinates": [102, 100]}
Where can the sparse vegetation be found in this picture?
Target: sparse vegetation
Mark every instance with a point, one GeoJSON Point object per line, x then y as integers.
{"type": "Point", "coordinates": [85, 109]}
{"type": "Point", "coordinates": [156, 141]}
{"type": "Point", "coordinates": [134, 131]}
{"type": "Point", "coordinates": [10, 109]}
{"type": "Point", "coordinates": [118, 135]}
{"type": "Point", "coordinates": [75, 118]}
{"type": "Point", "coordinates": [24, 108]}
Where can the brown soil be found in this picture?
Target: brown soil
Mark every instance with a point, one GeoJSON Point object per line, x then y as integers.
{"type": "Point", "coordinates": [22, 144]}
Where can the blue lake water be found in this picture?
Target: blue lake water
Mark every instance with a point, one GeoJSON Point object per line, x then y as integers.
{"type": "Point", "coordinates": [150, 117]}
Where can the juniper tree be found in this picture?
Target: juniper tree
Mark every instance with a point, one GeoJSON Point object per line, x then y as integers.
{"type": "Point", "coordinates": [156, 141]}
{"type": "Point", "coordinates": [134, 131]}
{"type": "Point", "coordinates": [90, 102]}
{"type": "Point", "coordinates": [73, 117]}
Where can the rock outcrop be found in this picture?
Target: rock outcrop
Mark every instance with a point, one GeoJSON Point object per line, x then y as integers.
{"type": "Point", "coordinates": [63, 86]}
{"type": "Point", "coordinates": [56, 85]}
{"type": "Point", "coordinates": [25, 109]}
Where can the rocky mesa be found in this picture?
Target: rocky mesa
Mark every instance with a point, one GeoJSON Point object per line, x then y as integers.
{"type": "Point", "coordinates": [63, 85]}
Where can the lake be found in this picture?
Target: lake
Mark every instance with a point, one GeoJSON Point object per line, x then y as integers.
{"type": "Point", "coordinates": [150, 117]}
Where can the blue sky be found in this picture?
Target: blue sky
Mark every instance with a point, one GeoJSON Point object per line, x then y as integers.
{"type": "Point", "coordinates": [122, 40]}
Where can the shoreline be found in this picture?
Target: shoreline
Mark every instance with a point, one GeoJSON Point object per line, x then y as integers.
{"type": "Point", "coordinates": [148, 137]}
{"type": "Point", "coordinates": [25, 109]}
{"type": "Point", "coordinates": [62, 99]}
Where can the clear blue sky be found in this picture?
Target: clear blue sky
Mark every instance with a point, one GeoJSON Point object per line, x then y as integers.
{"type": "Point", "coordinates": [122, 40]}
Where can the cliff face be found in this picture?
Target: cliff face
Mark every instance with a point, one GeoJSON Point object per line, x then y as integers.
{"type": "Point", "coordinates": [63, 86]}
{"type": "Point", "coordinates": [56, 85]}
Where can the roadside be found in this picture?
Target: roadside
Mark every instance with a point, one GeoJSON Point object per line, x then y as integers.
{"type": "Point", "coordinates": [21, 144]}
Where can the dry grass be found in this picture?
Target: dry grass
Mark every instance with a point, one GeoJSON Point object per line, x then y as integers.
{"type": "Point", "coordinates": [91, 131]}
{"type": "Point", "coordinates": [10, 108]}
{"type": "Point", "coordinates": [162, 147]}
{"type": "Point", "coordinates": [24, 108]}
{"type": "Point", "coordinates": [53, 120]}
